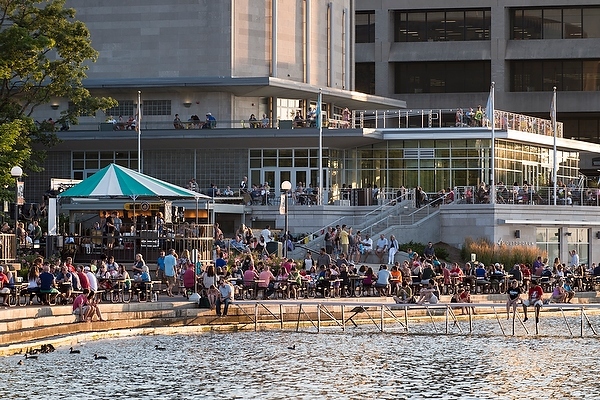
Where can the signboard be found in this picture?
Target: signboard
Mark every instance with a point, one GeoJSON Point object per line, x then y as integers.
{"type": "Point", "coordinates": [20, 190]}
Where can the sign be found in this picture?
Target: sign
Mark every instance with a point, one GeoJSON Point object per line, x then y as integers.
{"type": "Point", "coordinates": [20, 190]}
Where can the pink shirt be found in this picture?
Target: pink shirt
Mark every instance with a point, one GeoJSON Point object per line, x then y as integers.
{"type": "Point", "coordinates": [80, 300]}
{"type": "Point", "coordinates": [265, 277]}
{"type": "Point", "coordinates": [249, 276]}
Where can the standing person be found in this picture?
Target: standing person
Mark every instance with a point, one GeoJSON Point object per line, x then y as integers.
{"type": "Point", "coordinates": [266, 233]}
{"type": "Point", "coordinates": [170, 270]}
{"type": "Point", "coordinates": [225, 296]}
{"type": "Point", "coordinates": [160, 262]}
{"type": "Point", "coordinates": [308, 261]}
{"type": "Point", "coordinates": [574, 259]}
{"type": "Point", "coordinates": [418, 196]}
{"type": "Point", "coordinates": [118, 223]}
{"type": "Point", "coordinates": [345, 240]}
{"type": "Point", "coordinates": [177, 122]}
{"type": "Point", "coordinates": [323, 259]}
{"type": "Point", "coordinates": [329, 240]}
{"type": "Point", "coordinates": [534, 300]}
{"type": "Point", "coordinates": [513, 296]}
{"type": "Point", "coordinates": [244, 185]}
{"type": "Point", "coordinates": [393, 249]}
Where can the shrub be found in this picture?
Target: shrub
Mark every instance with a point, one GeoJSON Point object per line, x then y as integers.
{"type": "Point", "coordinates": [441, 253]}
{"type": "Point", "coordinates": [490, 253]}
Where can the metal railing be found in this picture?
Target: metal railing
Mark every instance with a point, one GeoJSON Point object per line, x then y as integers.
{"type": "Point", "coordinates": [572, 196]}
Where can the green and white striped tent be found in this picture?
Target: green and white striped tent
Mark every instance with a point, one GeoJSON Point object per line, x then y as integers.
{"type": "Point", "coordinates": [114, 181]}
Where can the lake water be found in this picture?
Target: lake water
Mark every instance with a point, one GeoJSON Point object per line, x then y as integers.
{"type": "Point", "coordinates": [356, 364]}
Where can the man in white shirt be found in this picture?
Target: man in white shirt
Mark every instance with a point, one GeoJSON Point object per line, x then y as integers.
{"type": "Point", "coordinates": [367, 246]}
{"type": "Point", "coordinates": [225, 296]}
{"type": "Point", "coordinates": [266, 233]}
{"type": "Point", "coordinates": [91, 278]}
{"type": "Point", "coordinates": [382, 246]}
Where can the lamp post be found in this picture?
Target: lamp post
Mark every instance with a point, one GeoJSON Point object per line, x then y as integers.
{"type": "Point", "coordinates": [16, 172]}
{"type": "Point", "coordinates": [285, 188]}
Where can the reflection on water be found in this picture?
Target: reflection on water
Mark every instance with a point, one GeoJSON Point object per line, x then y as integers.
{"type": "Point", "coordinates": [358, 364]}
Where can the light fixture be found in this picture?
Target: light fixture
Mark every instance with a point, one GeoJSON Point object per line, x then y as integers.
{"type": "Point", "coordinates": [55, 106]}
{"type": "Point", "coordinates": [17, 172]}
{"type": "Point", "coordinates": [285, 188]}
{"type": "Point", "coordinates": [187, 104]}
{"type": "Point", "coordinates": [518, 234]}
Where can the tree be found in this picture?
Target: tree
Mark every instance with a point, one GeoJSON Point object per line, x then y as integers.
{"type": "Point", "coordinates": [44, 53]}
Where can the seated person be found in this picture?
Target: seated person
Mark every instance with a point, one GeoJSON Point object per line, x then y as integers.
{"type": "Point", "coordinates": [428, 294]}
{"type": "Point", "coordinates": [210, 122]}
{"type": "Point", "coordinates": [559, 295]}
{"type": "Point", "coordinates": [298, 120]}
{"type": "Point", "coordinates": [534, 299]}
{"type": "Point", "coordinates": [253, 121]}
{"type": "Point", "coordinates": [256, 194]}
{"type": "Point", "coordinates": [238, 244]}
{"type": "Point", "coordinates": [265, 121]}
{"type": "Point", "coordinates": [4, 289]}
{"type": "Point", "coordinates": [404, 294]}
{"type": "Point", "coordinates": [383, 281]}
{"type": "Point", "coordinates": [228, 192]}
{"type": "Point", "coordinates": [177, 122]}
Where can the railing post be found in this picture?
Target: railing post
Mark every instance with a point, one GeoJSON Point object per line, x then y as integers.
{"type": "Point", "coordinates": [376, 119]}
{"type": "Point", "coordinates": [384, 116]}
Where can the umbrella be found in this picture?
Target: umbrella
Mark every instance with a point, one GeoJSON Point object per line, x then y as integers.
{"type": "Point", "coordinates": [116, 181]}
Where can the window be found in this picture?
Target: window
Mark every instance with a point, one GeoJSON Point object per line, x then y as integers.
{"type": "Point", "coordinates": [364, 80]}
{"type": "Point", "coordinates": [441, 25]}
{"type": "Point", "coordinates": [442, 77]}
{"type": "Point", "coordinates": [125, 107]}
{"type": "Point", "coordinates": [566, 75]}
{"type": "Point", "coordinates": [157, 107]}
{"type": "Point", "coordinates": [365, 26]}
{"type": "Point", "coordinates": [555, 23]}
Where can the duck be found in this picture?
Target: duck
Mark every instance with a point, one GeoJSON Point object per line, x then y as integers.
{"type": "Point", "coordinates": [30, 356]}
{"type": "Point", "coordinates": [20, 362]}
{"type": "Point", "coordinates": [97, 357]}
{"type": "Point", "coordinates": [73, 351]}
{"type": "Point", "coordinates": [292, 347]}
{"type": "Point", "coordinates": [157, 347]}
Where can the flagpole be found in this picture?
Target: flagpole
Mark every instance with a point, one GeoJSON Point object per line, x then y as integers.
{"type": "Point", "coordinates": [555, 163]}
{"type": "Point", "coordinates": [493, 151]}
{"type": "Point", "coordinates": [139, 129]}
{"type": "Point", "coordinates": [320, 126]}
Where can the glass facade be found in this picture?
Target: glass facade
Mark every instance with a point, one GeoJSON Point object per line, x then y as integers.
{"type": "Point", "coordinates": [566, 75]}
{"type": "Point", "coordinates": [442, 77]}
{"type": "Point", "coordinates": [555, 23]}
{"type": "Point", "coordinates": [439, 164]}
{"type": "Point", "coordinates": [86, 163]}
{"type": "Point", "coordinates": [441, 25]}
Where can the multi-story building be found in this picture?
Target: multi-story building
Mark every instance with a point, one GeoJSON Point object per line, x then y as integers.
{"type": "Point", "coordinates": [237, 58]}
{"type": "Point", "coordinates": [446, 54]}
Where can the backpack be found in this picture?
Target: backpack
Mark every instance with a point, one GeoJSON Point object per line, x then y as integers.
{"type": "Point", "coordinates": [203, 302]}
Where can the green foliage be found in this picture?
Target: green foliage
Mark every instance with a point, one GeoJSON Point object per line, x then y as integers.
{"type": "Point", "coordinates": [440, 253]}
{"type": "Point", "coordinates": [489, 253]}
{"type": "Point", "coordinates": [44, 53]}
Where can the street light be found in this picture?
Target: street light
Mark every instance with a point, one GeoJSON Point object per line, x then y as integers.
{"type": "Point", "coordinates": [285, 187]}
{"type": "Point", "coordinates": [17, 172]}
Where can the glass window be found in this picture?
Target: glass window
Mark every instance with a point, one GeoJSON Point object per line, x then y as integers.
{"type": "Point", "coordinates": [532, 24]}
{"type": "Point", "coordinates": [591, 22]}
{"type": "Point", "coordinates": [572, 77]}
{"type": "Point", "coordinates": [572, 22]}
{"type": "Point", "coordinates": [552, 75]}
{"type": "Point", "coordinates": [157, 107]}
{"type": "Point", "coordinates": [125, 108]}
{"type": "Point", "coordinates": [442, 77]}
{"type": "Point", "coordinates": [364, 80]}
{"type": "Point", "coordinates": [436, 26]}
{"type": "Point", "coordinates": [455, 25]}
{"type": "Point", "coordinates": [477, 25]}
{"type": "Point", "coordinates": [591, 75]}
{"type": "Point", "coordinates": [400, 27]}
{"type": "Point", "coordinates": [365, 26]}
{"type": "Point", "coordinates": [552, 24]}
{"type": "Point", "coordinates": [417, 28]}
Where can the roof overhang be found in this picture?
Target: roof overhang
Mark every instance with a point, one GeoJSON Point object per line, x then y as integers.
{"type": "Point", "coordinates": [251, 87]}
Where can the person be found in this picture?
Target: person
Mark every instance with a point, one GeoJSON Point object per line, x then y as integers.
{"type": "Point", "coordinates": [393, 249]}
{"type": "Point", "coordinates": [534, 300]}
{"type": "Point", "coordinates": [228, 192]}
{"type": "Point", "coordinates": [513, 294]}
{"type": "Point", "coordinates": [266, 282]}
{"type": "Point", "coordinates": [160, 264]}
{"type": "Point", "coordinates": [429, 251]}
{"type": "Point", "coordinates": [464, 296]}
{"type": "Point", "coordinates": [138, 263]}
{"type": "Point", "coordinates": [47, 285]}
{"type": "Point", "coordinates": [225, 296]}
{"type": "Point", "coordinates": [298, 120]}
{"type": "Point", "coordinates": [383, 281]}
{"type": "Point", "coordinates": [210, 122]}
{"type": "Point", "coordinates": [266, 233]}
{"type": "Point", "coordinates": [404, 294]}
{"type": "Point", "coordinates": [92, 280]}
{"type": "Point", "coordinates": [177, 122]}
{"type": "Point", "coordinates": [253, 121]}
{"type": "Point", "coordinates": [94, 309]}
{"type": "Point", "coordinates": [265, 121]}
{"type": "Point", "coordinates": [427, 294]}
{"type": "Point", "coordinates": [244, 185]}
{"type": "Point", "coordinates": [366, 246]}
{"type": "Point", "coordinates": [209, 282]}
{"type": "Point", "coordinates": [323, 259]}
{"type": "Point", "coordinates": [65, 283]}
{"type": "Point", "coordinates": [4, 289]}
{"type": "Point", "coordinates": [574, 258]}
{"type": "Point", "coordinates": [170, 270]}
{"type": "Point", "coordinates": [346, 118]}
{"type": "Point", "coordinates": [81, 306]}
{"type": "Point", "coordinates": [345, 240]}
{"type": "Point", "coordinates": [559, 295]}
